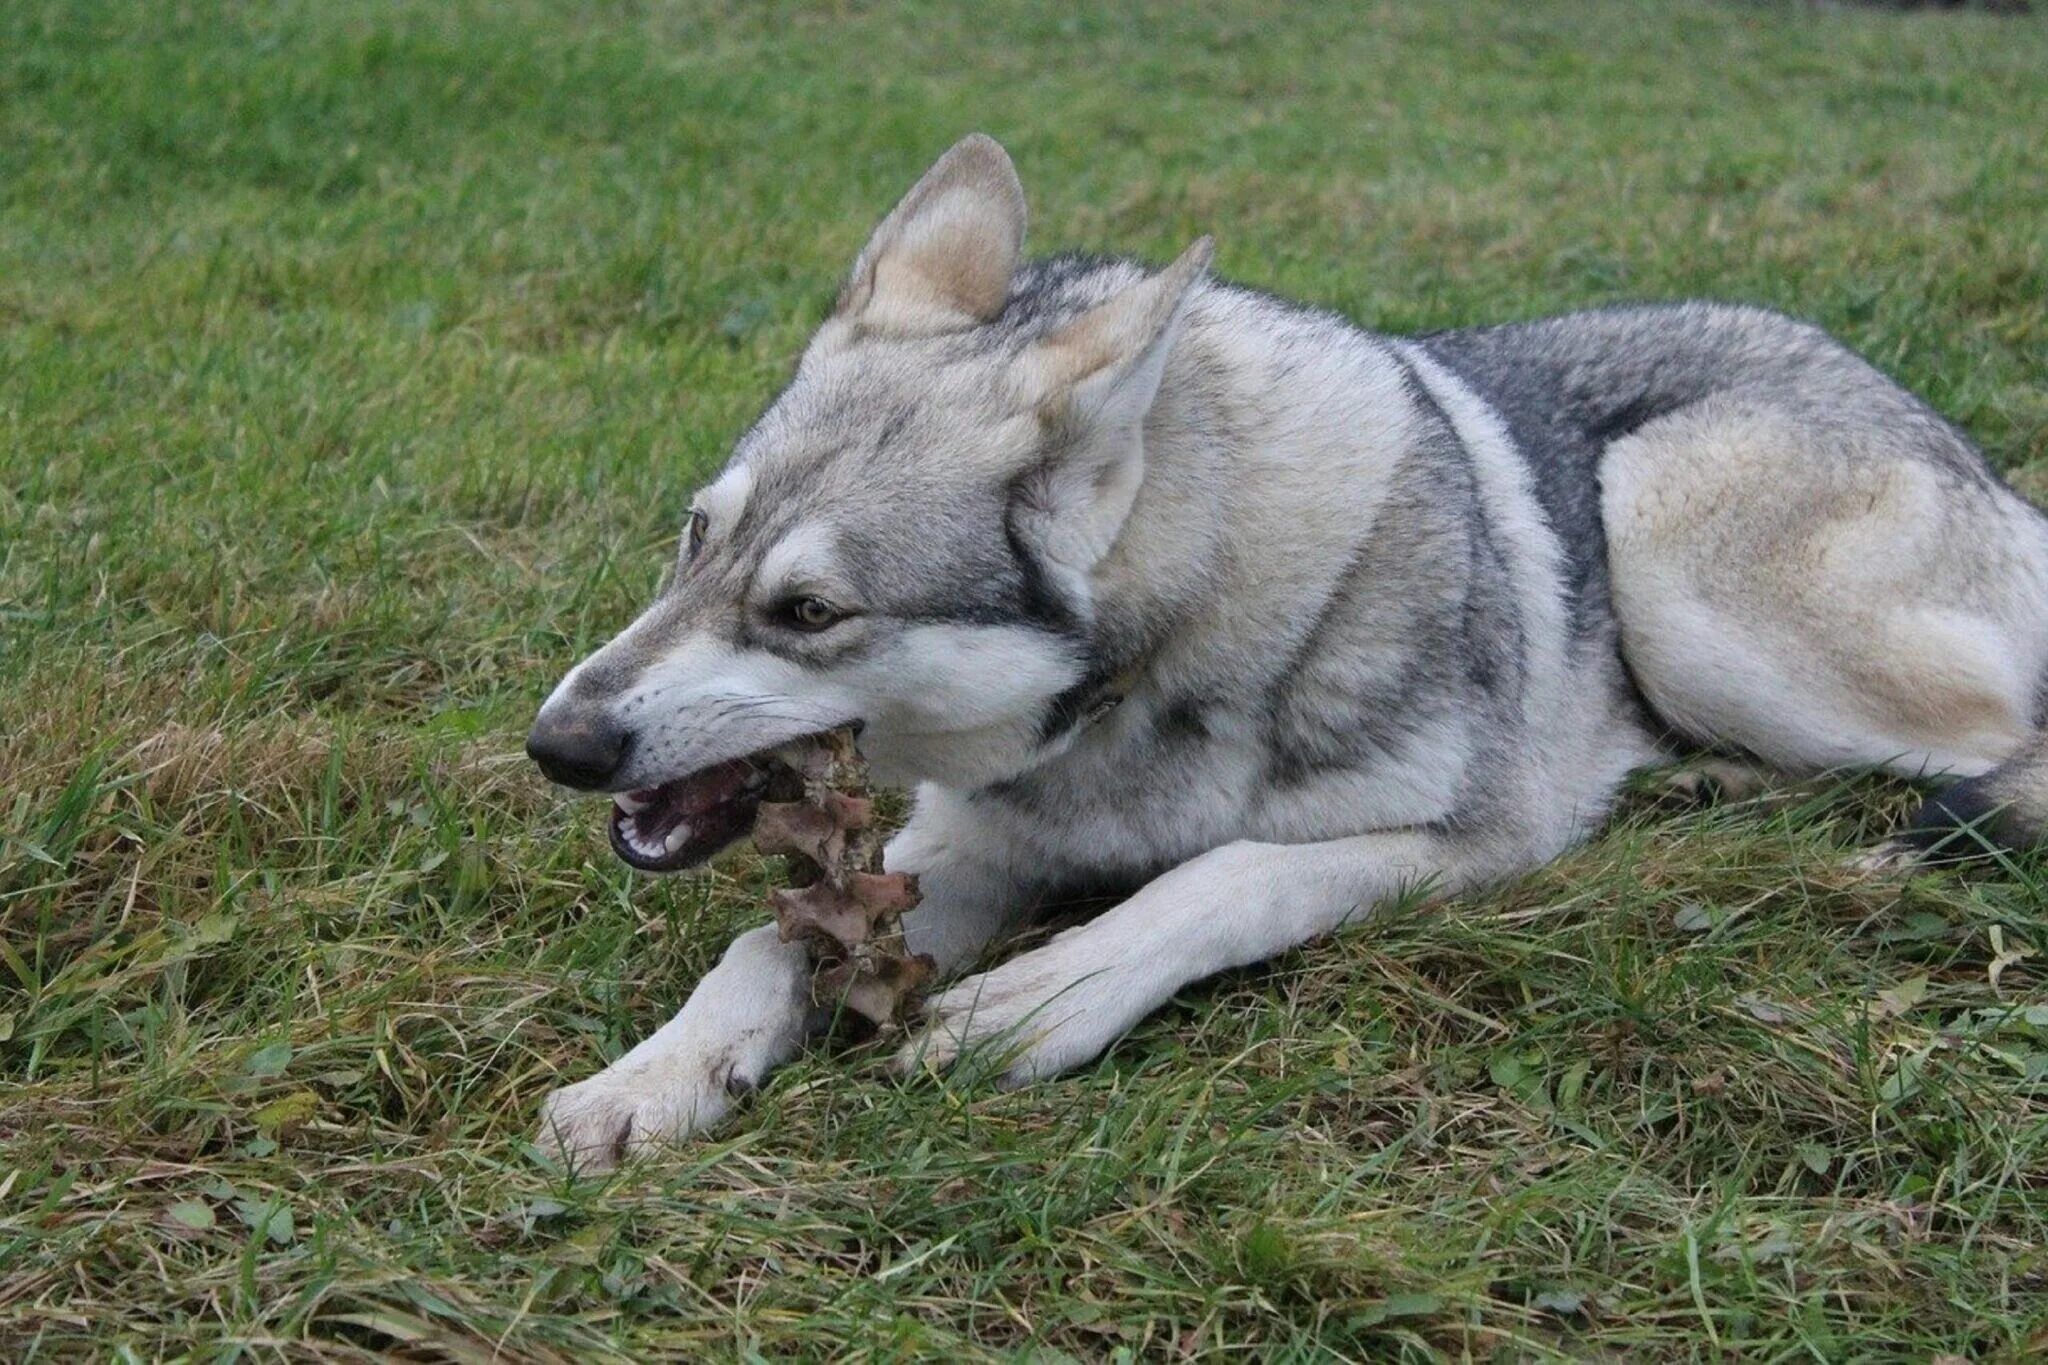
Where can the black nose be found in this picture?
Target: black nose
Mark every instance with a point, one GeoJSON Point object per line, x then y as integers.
{"type": "Point", "coordinates": [578, 751]}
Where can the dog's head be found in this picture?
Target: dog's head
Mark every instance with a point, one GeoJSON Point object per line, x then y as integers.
{"type": "Point", "coordinates": [904, 542]}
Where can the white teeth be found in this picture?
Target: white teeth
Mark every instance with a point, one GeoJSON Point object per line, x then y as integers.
{"type": "Point", "coordinates": [631, 802]}
{"type": "Point", "coordinates": [677, 837]}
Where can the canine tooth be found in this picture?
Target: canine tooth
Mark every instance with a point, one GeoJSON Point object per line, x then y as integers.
{"type": "Point", "coordinates": [631, 802]}
{"type": "Point", "coordinates": [677, 837]}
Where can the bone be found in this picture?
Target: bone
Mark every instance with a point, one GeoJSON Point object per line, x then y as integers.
{"type": "Point", "coordinates": [883, 894]}
{"type": "Point", "coordinates": [883, 989]}
{"type": "Point", "coordinates": [842, 919]}
{"type": "Point", "coordinates": [840, 905]}
{"type": "Point", "coordinates": [797, 829]}
{"type": "Point", "coordinates": [822, 918]}
{"type": "Point", "coordinates": [848, 812]}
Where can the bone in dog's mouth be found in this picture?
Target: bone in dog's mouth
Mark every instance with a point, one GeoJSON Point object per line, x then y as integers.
{"type": "Point", "coordinates": [682, 822]}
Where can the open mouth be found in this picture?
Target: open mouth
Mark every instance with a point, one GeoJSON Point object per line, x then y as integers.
{"type": "Point", "coordinates": [679, 824]}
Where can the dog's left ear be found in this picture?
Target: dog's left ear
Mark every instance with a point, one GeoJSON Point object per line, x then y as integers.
{"type": "Point", "coordinates": [1093, 382]}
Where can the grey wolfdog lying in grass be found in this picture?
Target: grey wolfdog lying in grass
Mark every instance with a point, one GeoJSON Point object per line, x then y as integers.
{"type": "Point", "coordinates": [1152, 583]}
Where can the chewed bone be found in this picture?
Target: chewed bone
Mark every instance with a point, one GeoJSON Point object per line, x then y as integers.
{"type": "Point", "coordinates": [843, 918]}
{"type": "Point", "coordinates": [799, 830]}
{"type": "Point", "coordinates": [878, 989]}
{"type": "Point", "coordinates": [884, 894]}
{"type": "Point", "coordinates": [841, 906]}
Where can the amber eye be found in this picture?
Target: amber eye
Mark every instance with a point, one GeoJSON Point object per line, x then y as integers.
{"type": "Point", "coordinates": [695, 541]}
{"type": "Point", "coordinates": [811, 613]}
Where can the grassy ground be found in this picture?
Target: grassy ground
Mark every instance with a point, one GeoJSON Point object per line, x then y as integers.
{"type": "Point", "coordinates": [355, 362]}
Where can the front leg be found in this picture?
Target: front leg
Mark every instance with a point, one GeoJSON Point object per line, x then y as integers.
{"type": "Point", "coordinates": [1063, 1004]}
{"type": "Point", "coordinates": [753, 1011]}
{"type": "Point", "coordinates": [748, 1015]}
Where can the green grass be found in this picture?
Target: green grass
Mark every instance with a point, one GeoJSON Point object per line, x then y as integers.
{"type": "Point", "coordinates": [356, 361]}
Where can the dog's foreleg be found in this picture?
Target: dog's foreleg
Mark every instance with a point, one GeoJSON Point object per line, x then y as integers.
{"type": "Point", "coordinates": [753, 1011]}
{"type": "Point", "coordinates": [1060, 1005]}
{"type": "Point", "coordinates": [749, 1014]}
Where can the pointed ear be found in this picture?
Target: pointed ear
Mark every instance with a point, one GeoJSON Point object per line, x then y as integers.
{"type": "Point", "coordinates": [943, 258]}
{"type": "Point", "coordinates": [1104, 366]}
{"type": "Point", "coordinates": [1094, 381]}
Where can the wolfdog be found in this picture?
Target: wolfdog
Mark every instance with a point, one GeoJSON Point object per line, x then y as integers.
{"type": "Point", "coordinates": [1156, 586]}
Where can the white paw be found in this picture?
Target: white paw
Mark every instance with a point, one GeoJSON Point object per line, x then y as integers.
{"type": "Point", "coordinates": [1028, 1019]}
{"type": "Point", "coordinates": [594, 1125]}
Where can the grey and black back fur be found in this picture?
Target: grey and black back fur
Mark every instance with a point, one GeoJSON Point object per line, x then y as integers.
{"type": "Point", "coordinates": [1147, 581]}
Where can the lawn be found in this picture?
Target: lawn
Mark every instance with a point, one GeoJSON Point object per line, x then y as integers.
{"type": "Point", "coordinates": [356, 362]}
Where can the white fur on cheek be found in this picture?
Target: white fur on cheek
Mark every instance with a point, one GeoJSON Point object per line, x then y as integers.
{"type": "Point", "coordinates": [704, 702]}
{"type": "Point", "coordinates": [958, 704]}
{"type": "Point", "coordinates": [952, 677]}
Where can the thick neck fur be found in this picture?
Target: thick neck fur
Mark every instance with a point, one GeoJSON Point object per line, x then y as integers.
{"type": "Point", "coordinates": [1300, 552]}
{"type": "Point", "coordinates": [1239, 462]}
{"type": "Point", "coordinates": [1167, 558]}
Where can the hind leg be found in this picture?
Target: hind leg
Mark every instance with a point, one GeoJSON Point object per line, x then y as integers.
{"type": "Point", "coordinates": [1826, 599]}
{"type": "Point", "coordinates": [2006, 808]}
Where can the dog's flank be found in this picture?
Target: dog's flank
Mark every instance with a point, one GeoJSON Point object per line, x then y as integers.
{"type": "Point", "coordinates": [1148, 580]}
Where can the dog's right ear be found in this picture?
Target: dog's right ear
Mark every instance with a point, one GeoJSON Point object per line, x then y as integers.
{"type": "Point", "coordinates": [943, 258]}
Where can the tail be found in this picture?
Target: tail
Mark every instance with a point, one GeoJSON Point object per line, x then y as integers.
{"type": "Point", "coordinates": [2005, 810]}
